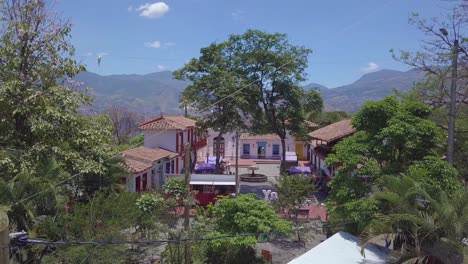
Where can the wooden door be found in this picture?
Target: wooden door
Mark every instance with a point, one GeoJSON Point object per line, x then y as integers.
{"type": "Point", "coordinates": [300, 151]}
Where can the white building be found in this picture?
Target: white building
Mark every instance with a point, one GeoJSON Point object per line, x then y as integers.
{"type": "Point", "coordinates": [266, 146]}
{"type": "Point", "coordinates": [148, 167]}
{"type": "Point", "coordinates": [322, 143]}
{"type": "Point", "coordinates": [163, 151]}
{"type": "Point", "coordinates": [172, 133]}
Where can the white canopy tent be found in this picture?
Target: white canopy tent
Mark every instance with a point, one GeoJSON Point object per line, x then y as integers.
{"type": "Point", "coordinates": [342, 248]}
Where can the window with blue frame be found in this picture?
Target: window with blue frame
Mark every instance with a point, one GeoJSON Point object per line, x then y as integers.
{"type": "Point", "coordinates": [276, 149]}
{"type": "Point", "coordinates": [246, 149]}
{"type": "Point", "coordinates": [168, 167]}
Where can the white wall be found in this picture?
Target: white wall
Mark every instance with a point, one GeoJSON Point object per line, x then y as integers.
{"type": "Point", "coordinates": [320, 164]}
{"type": "Point", "coordinates": [154, 180]}
{"type": "Point", "coordinates": [159, 138]}
{"type": "Point", "coordinates": [230, 145]}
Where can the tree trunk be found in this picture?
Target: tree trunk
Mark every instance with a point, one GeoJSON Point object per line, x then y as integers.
{"type": "Point", "coordinates": [283, 153]}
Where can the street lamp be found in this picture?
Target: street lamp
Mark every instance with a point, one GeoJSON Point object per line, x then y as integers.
{"type": "Point", "coordinates": [453, 90]}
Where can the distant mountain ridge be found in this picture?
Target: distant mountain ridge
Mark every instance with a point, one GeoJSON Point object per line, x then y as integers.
{"type": "Point", "coordinates": [370, 87]}
{"type": "Point", "coordinates": [158, 92]}
{"type": "Point", "coordinates": [152, 93]}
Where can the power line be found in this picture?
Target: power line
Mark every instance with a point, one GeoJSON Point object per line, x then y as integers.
{"type": "Point", "coordinates": [24, 239]}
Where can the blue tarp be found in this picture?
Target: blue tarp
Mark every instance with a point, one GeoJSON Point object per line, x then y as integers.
{"type": "Point", "coordinates": [299, 170]}
{"type": "Point", "coordinates": [204, 168]}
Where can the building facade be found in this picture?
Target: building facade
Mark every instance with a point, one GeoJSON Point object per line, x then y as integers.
{"type": "Point", "coordinates": [148, 167]}
{"type": "Point", "coordinates": [172, 133]}
{"type": "Point", "coordinates": [266, 146]}
{"type": "Point", "coordinates": [322, 142]}
{"type": "Point", "coordinates": [163, 151]}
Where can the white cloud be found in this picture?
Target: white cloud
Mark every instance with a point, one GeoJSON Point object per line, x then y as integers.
{"type": "Point", "coordinates": [154, 10]}
{"type": "Point", "coordinates": [161, 67]}
{"type": "Point", "coordinates": [238, 14]}
{"type": "Point", "coordinates": [130, 8]}
{"type": "Point", "coordinates": [102, 54]}
{"type": "Point", "coordinates": [155, 44]}
{"type": "Point", "coordinates": [371, 67]}
{"type": "Point", "coordinates": [88, 54]}
{"type": "Point", "coordinates": [158, 44]}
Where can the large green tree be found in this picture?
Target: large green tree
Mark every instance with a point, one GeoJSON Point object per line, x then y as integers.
{"type": "Point", "coordinates": [274, 68]}
{"type": "Point", "coordinates": [423, 221]}
{"type": "Point", "coordinates": [244, 218]}
{"type": "Point", "coordinates": [49, 153]}
{"type": "Point", "coordinates": [215, 91]}
{"type": "Point", "coordinates": [393, 136]}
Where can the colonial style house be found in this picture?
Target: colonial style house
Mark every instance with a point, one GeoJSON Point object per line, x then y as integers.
{"type": "Point", "coordinates": [148, 167]}
{"type": "Point", "coordinates": [172, 133]}
{"type": "Point", "coordinates": [163, 151]}
{"type": "Point", "coordinates": [322, 142]}
{"type": "Point", "coordinates": [265, 146]}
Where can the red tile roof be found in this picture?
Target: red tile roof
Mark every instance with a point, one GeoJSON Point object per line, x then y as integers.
{"type": "Point", "coordinates": [168, 122]}
{"type": "Point", "coordinates": [142, 158]}
{"type": "Point", "coordinates": [259, 137]}
{"type": "Point", "coordinates": [334, 131]}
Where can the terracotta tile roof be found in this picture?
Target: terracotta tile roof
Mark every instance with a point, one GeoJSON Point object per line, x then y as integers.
{"type": "Point", "coordinates": [334, 131]}
{"type": "Point", "coordinates": [168, 122]}
{"type": "Point", "coordinates": [259, 137]}
{"type": "Point", "coordinates": [140, 159]}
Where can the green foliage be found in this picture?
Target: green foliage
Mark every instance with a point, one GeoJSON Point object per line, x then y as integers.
{"type": "Point", "coordinates": [293, 191]}
{"type": "Point", "coordinates": [274, 68]}
{"type": "Point", "coordinates": [354, 156]}
{"type": "Point", "coordinates": [103, 218]}
{"type": "Point", "coordinates": [136, 141]}
{"type": "Point", "coordinates": [327, 118]}
{"type": "Point", "coordinates": [252, 76]}
{"type": "Point", "coordinates": [312, 101]}
{"type": "Point", "coordinates": [175, 187]}
{"type": "Point", "coordinates": [393, 134]}
{"type": "Point", "coordinates": [229, 250]}
{"type": "Point", "coordinates": [148, 202]}
{"type": "Point", "coordinates": [438, 173]}
{"type": "Point", "coordinates": [51, 156]}
{"type": "Point", "coordinates": [210, 222]}
{"type": "Point", "coordinates": [461, 142]}
{"type": "Point", "coordinates": [246, 214]}
{"type": "Point", "coordinates": [43, 178]}
{"type": "Point", "coordinates": [421, 219]}
{"type": "Point", "coordinates": [347, 205]}
{"type": "Point", "coordinates": [40, 107]}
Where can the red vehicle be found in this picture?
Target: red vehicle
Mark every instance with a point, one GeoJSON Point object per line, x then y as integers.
{"type": "Point", "coordinates": [210, 186]}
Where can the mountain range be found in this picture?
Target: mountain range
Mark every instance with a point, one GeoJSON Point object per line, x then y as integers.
{"type": "Point", "coordinates": [370, 87]}
{"type": "Point", "coordinates": [158, 92]}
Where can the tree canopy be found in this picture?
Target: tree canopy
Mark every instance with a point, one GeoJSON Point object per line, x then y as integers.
{"type": "Point", "coordinates": [255, 77]}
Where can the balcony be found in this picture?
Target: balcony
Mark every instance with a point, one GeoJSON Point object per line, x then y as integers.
{"type": "Point", "coordinates": [200, 143]}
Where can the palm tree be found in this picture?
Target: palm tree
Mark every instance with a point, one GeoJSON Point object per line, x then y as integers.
{"type": "Point", "coordinates": [32, 193]}
{"type": "Point", "coordinates": [425, 224]}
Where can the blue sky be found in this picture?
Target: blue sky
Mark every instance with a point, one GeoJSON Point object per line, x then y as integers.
{"type": "Point", "coordinates": [348, 37]}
